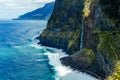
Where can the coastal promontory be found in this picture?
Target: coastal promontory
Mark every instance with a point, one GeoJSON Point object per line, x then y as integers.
{"type": "Point", "coordinates": [43, 13]}
{"type": "Point", "coordinates": [89, 31]}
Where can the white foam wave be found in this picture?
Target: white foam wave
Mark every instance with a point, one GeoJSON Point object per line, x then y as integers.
{"type": "Point", "coordinates": [16, 46]}
{"type": "Point", "coordinates": [40, 60]}
{"type": "Point", "coordinates": [65, 73]}
{"type": "Point", "coordinates": [30, 45]}
{"type": "Point", "coordinates": [36, 46]}
{"type": "Point", "coordinates": [62, 72]}
{"type": "Point", "coordinates": [54, 61]}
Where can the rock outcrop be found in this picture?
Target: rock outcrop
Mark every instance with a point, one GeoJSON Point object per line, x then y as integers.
{"type": "Point", "coordinates": [80, 60]}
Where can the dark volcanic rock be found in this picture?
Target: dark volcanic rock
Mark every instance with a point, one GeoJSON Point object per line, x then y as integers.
{"type": "Point", "coordinates": [83, 57]}
{"type": "Point", "coordinates": [66, 40]}
{"type": "Point", "coordinates": [86, 61]}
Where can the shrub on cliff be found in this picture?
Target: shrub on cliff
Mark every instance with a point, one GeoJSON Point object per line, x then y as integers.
{"type": "Point", "coordinates": [110, 43]}
{"type": "Point", "coordinates": [116, 74]}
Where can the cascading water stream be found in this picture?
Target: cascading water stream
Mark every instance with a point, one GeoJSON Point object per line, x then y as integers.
{"type": "Point", "coordinates": [82, 34]}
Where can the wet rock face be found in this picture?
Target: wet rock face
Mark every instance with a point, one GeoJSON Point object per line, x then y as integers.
{"type": "Point", "coordinates": [91, 23]}
{"type": "Point", "coordinates": [91, 39]}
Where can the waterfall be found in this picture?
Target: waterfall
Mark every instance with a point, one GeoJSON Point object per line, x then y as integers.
{"type": "Point", "coordinates": [82, 34]}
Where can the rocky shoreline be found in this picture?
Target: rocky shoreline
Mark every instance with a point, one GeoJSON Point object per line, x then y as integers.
{"type": "Point", "coordinates": [83, 64]}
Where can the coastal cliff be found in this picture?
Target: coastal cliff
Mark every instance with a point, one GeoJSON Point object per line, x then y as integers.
{"type": "Point", "coordinates": [88, 30]}
{"type": "Point", "coordinates": [64, 27]}
{"type": "Point", "coordinates": [43, 13]}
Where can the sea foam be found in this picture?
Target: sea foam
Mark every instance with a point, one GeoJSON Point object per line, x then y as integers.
{"type": "Point", "coordinates": [63, 72]}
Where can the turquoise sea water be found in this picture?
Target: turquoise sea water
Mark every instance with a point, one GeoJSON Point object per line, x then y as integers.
{"type": "Point", "coordinates": [19, 58]}
{"type": "Point", "coordinates": [22, 59]}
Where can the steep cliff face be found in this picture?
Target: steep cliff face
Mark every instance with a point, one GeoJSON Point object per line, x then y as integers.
{"type": "Point", "coordinates": [64, 27]}
{"type": "Point", "coordinates": [101, 34]}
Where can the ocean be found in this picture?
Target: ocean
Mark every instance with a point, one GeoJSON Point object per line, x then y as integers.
{"type": "Point", "coordinates": [22, 59]}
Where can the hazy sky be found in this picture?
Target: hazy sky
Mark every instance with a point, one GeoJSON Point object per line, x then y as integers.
{"type": "Point", "coordinates": [13, 8]}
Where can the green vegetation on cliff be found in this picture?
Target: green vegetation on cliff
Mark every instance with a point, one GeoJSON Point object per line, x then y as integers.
{"type": "Point", "coordinates": [110, 43]}
{"type": "Point", "coordinates": [86, 10]}
{"type": "Point", "coordinates": [116, 74]}
{"type": "Point", "coordinates": [90, 54]}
